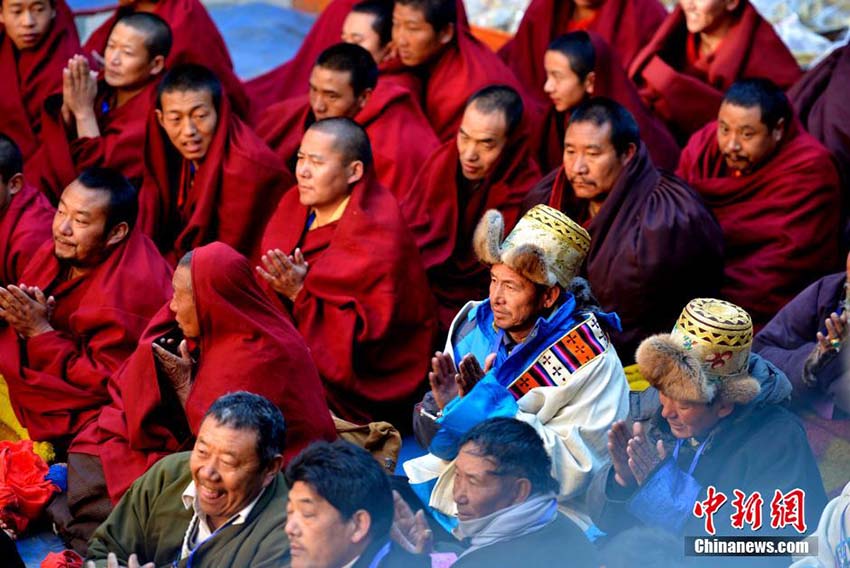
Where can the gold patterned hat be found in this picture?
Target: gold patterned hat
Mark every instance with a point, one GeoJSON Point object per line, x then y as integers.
{"type": "Point", "coordinates": [546, 246]}
{"type": "Point", "coordinates": [706, 356]}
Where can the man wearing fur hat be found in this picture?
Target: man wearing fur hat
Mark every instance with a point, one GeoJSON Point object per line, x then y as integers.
{"type": "Point", "coordinates": [717, 426]}
{"type": "Point", "coordinates": [549, 361]}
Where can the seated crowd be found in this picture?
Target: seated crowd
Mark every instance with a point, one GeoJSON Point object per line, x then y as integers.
{"type": "Point", "coordinates": [592, 281]}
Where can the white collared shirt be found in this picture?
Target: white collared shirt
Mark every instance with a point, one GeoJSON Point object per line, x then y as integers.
{"type": "Point", "coordinates": [199, 530]}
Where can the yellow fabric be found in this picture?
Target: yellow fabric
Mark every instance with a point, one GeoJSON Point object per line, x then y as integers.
{"type": "Point", "coordinates": [11, 429]}
{"type": "Point", "coordinates": [337, 215]}
{"type": "Point", "coordinates": [636, 381]}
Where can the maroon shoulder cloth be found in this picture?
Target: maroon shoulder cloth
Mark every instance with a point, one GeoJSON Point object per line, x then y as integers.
{"type": "Point", "coordinates": [228, 198]}
{"type": "Point", "coordinates": [688, 96]}
{"type": "Point", "coordinates": [628, 25]}
{"type": "Point", "coordinates": [365, 309]}
{"type": "Point", "coordinates": [57, 380]}
{"type": "Point", "coordinates": [25, 225]}
{"type": "Point", "coordinates": [31, 76]}
{"type": "Point", "coordinates": [443, 210]}
{"type": "Point", "coordinates": [245, 344]}
{"type": "Point", "coordinates": [654, 247]}
{"type": "Point", "coordinates": [780, 223]}
{"type": "Point", "coordinates": [195, 39]}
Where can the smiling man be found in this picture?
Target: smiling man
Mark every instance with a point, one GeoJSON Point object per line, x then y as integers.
{"type": "Point", "coordinates": [775, 192]}
{"type": "Point", "coordinates": [222, 504]}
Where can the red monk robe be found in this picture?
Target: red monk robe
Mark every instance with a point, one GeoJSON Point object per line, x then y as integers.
{"type": "Point", "coordinates": [25, 225]}
{"type": "Point", "coordinates": [31, 76]}
{"type": "Point", "coordinates": [231, 198]}
{"type": "Point", "coordinates": [62, 156]}
{"type": "Point", "coordinates": [57, 380]}
{"type": "Point", "coordinates": [391, 118]}
{"type": "Point", "coordinates": [780, 223]}
{"type": "Point", "coordinates": [196, 39]}
{"type": "Point", "coordinates": [612, 82]}
{"type": "Point", "coordinates": [245, 344]}
{"type": "Point", "coordinates": [625, 24]}
{"type": "Point", "coordinates": [365, 309]}
{"type": "Point", "coordinates": [443, 211]}
{"type": "Point", "coordinates": [687, 95]}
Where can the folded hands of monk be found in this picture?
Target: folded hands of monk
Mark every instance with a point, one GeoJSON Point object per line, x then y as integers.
{"type": "Point", "coordinates": [79, 90]}
{"type": "Point", "coordinates": [26, 309]}
{"type": "Point", "coordinates": [285, 274]}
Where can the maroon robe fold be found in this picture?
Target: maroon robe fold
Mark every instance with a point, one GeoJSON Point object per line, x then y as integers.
{"type": "Point", "coordinates": [195, 39]}
{"type": "Point", "coordinates": [245, 344]}
{"type": "Point", "coordinates": [57, 380]}
{"type": "Point", "coordinates": [687, 96]}
{"type": "Point", "coordinates": [365, 309]}
{"type": "Point", "coordinates": [29, 77]}
{"type": "Point", "coordinates": [654, 246]}
{"type": "Point", "coordinates": [612, 82]}
{"type": "Point", "coordinates": [232, 196]}
{"type": "Point", "coordinates": [627, 25]}
{"type": "Point", "coordinates": [390, 118]}
{"type": "Point", "coordinates": [25, 225]}
{"type": "Point", "coordinates": [780, 223]}
{"type": "Point", "coordinates": [443, 210]}
{"type": "Point", "coordinates": [60, 159]}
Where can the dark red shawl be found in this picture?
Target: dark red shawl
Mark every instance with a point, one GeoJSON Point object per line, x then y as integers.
{"type": "Point", "coordinates": [365, 309]}
{"type": "Point", "coordinates": [654, 247]}
{"type": "Point", "coordinates": [31, 76]}
{"type": "Point", "coordinates": [245, 344]}
{"type": "Point", "coordinates": [25, 224]}
{"type": "Point", "coordinates": [57, 380]}
{"type": "Point", "coordinates": [122, 135]}
{"type": "Point", "coordinates": [196, 39]}
{"type": "Point", "coordinates": [612, 82]}
{"type": "Point", "coordinates": [687, 102]}
{"type": "Point", "coordinates": [443, 215]}
{"type": "Point", "coordinates": [232, 197]}
{"type": "Point", "coordinates": [780, 223]}
{"type": "Point", "coordinates": [625, 24]}
{"type": "Point", "coordinates": [390, 118]}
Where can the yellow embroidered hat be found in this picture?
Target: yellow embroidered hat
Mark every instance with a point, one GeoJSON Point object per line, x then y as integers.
{"type": "Point", "coordinates": [545, 246]}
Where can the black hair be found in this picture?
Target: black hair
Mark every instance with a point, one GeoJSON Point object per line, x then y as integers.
{"type": "Point", "coordinates": [351, 140]}
{"type": "Point", "coordinates": [349, 478]}
{"type": "Point", "coordinates": [517, 450]}
{"type": "Point", "coordinates": [158, 38]}
{"type": "Point", "coordinates": [438, 13]}
{"type": "Point", "coordinates": [242, 410]}
{"type": "Point", "coordinates": [764, 94]}
{"type": "Point", "coordinates": [11, 159]}
{"type": "Point", "coordinates": [499, 98]}
{"type": "Point", "coordinates": [190, 77]}
{"type": "Point", "coordinates": [578, 49]}
{"type": "Point", "coordinates": [383, 13]}
{"type": "Point", "coordinates": [354, 60]}
{"type": "Point", "coordinates": [601, 111]}
{"type": "Point", "coordinates": [123, 204]}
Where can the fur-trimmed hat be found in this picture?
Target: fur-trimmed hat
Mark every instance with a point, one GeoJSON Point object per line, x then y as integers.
{"type": "Point", "coordinates": [706, 356]}
{"type": "Point", "coordinates": [546, 246]}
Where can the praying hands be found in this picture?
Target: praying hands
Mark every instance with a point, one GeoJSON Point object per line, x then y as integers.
{"type": "Point", "coordinates": [633, 457]}
{"type": "Point", "coordinates": [79, 90]}
{"type": "Point", "coordinates": [285, 274]}
{"type": "Point", "coordinates": [447, 382]}
{"type": "Point", "coordinates": [26, 309]}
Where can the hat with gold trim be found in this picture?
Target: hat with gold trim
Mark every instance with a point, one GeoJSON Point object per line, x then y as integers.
{"type": "Point", "coordinates": [545, 246]}
{"type": "Point", "coordinates": [706, 356]}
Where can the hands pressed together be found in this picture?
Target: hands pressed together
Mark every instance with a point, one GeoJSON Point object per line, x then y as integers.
{"type": "Point", "coordinates": [79, 90]}
{"type": "Point", "coordinates": [26, 309]}
{"type": "Point", "coordinates": [634, 458]}
{"type": "Point", "coordinates": [284, 273]}
{"type": "Point", "coordinates": [447, 382]}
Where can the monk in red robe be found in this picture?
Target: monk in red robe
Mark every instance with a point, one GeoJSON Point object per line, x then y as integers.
{"type": "Point", "coordinates": [101, 124]}
{"type": "Point", "coordinates": [580, 65]}
{"type": "Point", "coordinates": [654, 244]}
{"type": "Point", "coordinates": [450, 61]}
{"type": "Point", "coordinates": [25, 215]}
{"type": "Point", "coordinates": [696, 55]}
{"type": "Point", "coordinates": [487, 166]}
{"type": "Point", "coordinates": [340, 257]}
{"type": "Point", "coordinates": [208, 177]}
{"type": "Point", "coordinates": [196, 40]}
{"type": "Point", "coordinates": [36, 41]}
{"type": "Point", "coordinates": [775, 192]}
{"type": "Point", "coordinates": [85, 298]}
{"type": "Point", "coordinates": [343, 84]}
{"type": "Point", "coordinates": [627, 25]}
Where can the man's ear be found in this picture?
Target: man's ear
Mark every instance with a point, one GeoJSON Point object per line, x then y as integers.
{"type": "Point", "coordinates": [16, 183]}
{"type": "Point", "coordinates": [724, 409]}
{"type": "Point", "coordinates": [272, 469]}
{"type": "Point", "coordinates": [551, 295]}
{"type": "Point", "coordinates": [778, 130]}
{"type": "Point", "coordinates": [590, 83]}
{"type": "Point", "coordinates": [629, 154]}
{"type": "Point", "coordinates": [362, 523]}
{"type": "Point", "coordinates": [157, 65]}
{"type": "Point", "coordinates": [117, 233]}
{"type": "Point", "coordinates": [446, 34]}
{"type": "Point", "coordinates": [355, 171]}
{"type": "Point", "coordinates": [732, 5]}
{"type": "Point", "coordinates": [364, 98]}
{"type": "Point", "coordinates": [159, 118]}
{"type": "Point", "coordinates": [522, 490]}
